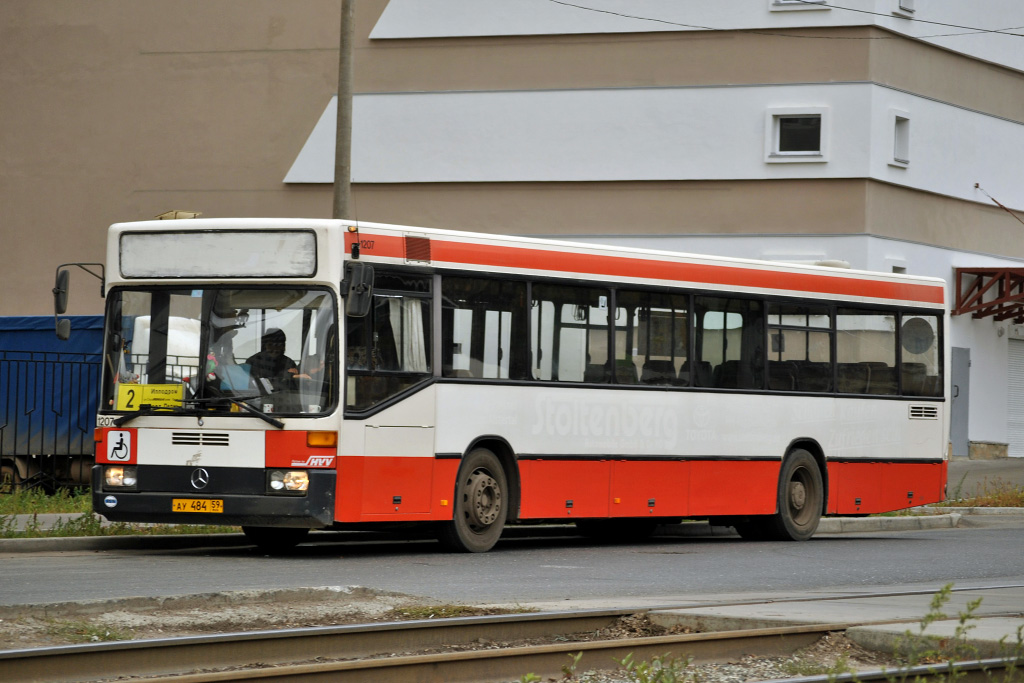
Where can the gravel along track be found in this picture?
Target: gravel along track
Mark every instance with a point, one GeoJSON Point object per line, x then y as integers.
{"type": "Point", "coordinates": [204, 615]}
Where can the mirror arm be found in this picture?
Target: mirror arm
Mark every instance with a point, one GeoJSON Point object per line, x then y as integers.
{"type": "Point", "coordinates": [60, 293]}
{"type": "Point", "coordinates": [101, 276]}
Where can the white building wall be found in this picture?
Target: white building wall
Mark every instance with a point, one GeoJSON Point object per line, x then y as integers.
{"type": "Point", "coordinates": [951, 24]}
{"type": "Point", "coordinates": [699, 133]}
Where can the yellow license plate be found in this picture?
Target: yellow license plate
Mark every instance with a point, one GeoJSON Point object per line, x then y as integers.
{"type": "Point", "coordinates": [197, 505]}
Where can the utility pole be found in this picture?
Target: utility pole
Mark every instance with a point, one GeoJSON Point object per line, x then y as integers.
{"type": "Point", "coordinates": [343, 143]}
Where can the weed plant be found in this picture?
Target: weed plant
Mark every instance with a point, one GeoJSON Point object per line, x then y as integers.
{"type": "Point", "coordinates": [997, 493]}
{"type": "Point", "coordinates": [941, 654]}
{"type": "Point", "coordinates": [90, 524]}
{"type": "Point", "coordinates": [914, 650]}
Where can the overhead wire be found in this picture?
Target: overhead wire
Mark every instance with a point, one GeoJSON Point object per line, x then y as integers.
{"type": "Point", "coordinates": [969, 30]}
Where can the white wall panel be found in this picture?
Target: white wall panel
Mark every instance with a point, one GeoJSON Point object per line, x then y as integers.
{"type": "Point", "coordinates": [460, 18]}
{"type": "Point", "coordinates": [701, 133]}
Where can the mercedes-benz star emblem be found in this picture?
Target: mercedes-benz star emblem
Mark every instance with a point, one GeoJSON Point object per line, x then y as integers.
{"type": "Point", "coordinates": [200, 478]}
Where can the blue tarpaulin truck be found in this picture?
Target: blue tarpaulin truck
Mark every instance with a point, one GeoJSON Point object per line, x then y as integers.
{"type": "Point", "coordinates": [48, 394]}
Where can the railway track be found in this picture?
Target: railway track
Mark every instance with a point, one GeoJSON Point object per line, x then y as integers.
{"type": "Point", "coordinates": [414, 651]}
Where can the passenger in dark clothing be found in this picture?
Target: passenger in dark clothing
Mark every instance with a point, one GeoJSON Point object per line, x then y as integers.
{"type": "Point", "coordinates": [271, 363]}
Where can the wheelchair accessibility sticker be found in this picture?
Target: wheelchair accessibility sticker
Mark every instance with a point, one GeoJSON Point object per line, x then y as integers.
{"type": "Point", "coordinates": [119, 446]}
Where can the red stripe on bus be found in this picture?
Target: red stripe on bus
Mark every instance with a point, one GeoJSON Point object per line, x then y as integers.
{"type": "Point", "coordinates": [630, 267]}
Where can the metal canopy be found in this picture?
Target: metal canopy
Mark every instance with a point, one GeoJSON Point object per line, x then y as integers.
{"type": "Point", "coordinates": [996, 292]}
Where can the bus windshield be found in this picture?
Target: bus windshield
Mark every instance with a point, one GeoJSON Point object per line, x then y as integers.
{"type": "Point", "coordinates": [209, 349]}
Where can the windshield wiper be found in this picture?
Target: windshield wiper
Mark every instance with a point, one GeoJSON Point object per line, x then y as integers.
{"type": "Point", "coordinates": [149, 409]}
{"type": "Point", "coordinates": [240, 401]}
{"type": "Point", "coordinates": [257, 412]}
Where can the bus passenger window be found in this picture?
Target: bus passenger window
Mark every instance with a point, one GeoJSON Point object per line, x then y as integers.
{"type": "Point", "coordinates": [865, 352]}
{"type": "Point", "coordinates": [569, 334]}
{"type": "Point", "coordinates": [730, 343]}
{"type": "Point", "coordinates": [651, 336]}
{"type": "Point", "coordinates": [800, 348]}
{"type": "Point", "coordinates": [483, 328]}
{"type": "Point", "coordinates": [921, 365]}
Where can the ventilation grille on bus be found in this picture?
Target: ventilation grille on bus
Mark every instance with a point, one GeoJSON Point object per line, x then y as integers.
{"type": "Point", "coordinates": [924, 413]}
{"type": "Point", "coordinates": [199, 439]}
{"type": "Point", "coordinates": [417, 249]}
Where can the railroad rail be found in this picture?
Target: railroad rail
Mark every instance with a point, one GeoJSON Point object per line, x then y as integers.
{"type": "Point", "coordinates": [358, 653]}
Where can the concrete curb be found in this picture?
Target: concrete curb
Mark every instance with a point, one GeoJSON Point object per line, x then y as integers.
{"type": "Point", "coordinates": [851, 525]}
{"type": "Point", "coordinates": [966, 511]}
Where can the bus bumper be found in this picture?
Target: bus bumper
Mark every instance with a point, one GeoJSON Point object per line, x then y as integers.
{"type": "Point", "coordinates": [314, 510]}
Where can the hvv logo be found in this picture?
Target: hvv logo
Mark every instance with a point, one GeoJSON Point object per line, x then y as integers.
{"type": "Point", "coordinates": [315, 461]}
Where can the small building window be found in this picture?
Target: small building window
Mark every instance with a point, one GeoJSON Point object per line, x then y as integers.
{"type": "Point", "coordinates": [900, 121]}
{"type": "Point", "coordinates": [800, 134]}
{"type": "Point", "coordinates": [796, 135]}
{"type": "Point", "coordinates": [787, 5]}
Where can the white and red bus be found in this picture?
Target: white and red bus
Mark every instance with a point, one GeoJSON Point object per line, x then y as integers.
{"type": "Point", "coordinates": [287, 375]}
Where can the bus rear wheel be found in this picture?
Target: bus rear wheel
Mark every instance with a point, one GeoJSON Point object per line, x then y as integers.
{"type": "Point", "coordinates": [800, 498]}
{"type": "Point", "coordinates": [481, 494]}
{"type": "Point", "coordinates": [275, 540]}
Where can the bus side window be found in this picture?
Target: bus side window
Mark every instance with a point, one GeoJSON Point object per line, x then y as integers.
{"type": "Point", "coordinates": [866, 351]}
{"type": "Point", "coordinates": [921, 365]}
{"type": "Point", "coordinates": [652, 334]}
{"type": "Point", "coordinates": [800, 348]}
{"type": "Point", "coordinates": [483, 328]}
{"type": "Point", "coordinates": [730, 338]}
{"type": "Point", "coordinates": [569, 334]}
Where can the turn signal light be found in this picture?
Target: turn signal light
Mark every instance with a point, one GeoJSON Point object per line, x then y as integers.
{"type": "Point", "coordinates": [322, 439]}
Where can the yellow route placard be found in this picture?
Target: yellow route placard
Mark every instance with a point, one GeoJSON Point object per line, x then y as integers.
{"type": "Point", "coordinates": [133, 396]}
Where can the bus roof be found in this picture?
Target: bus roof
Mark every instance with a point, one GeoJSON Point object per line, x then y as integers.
{"type": "Point", "coordinates": [535, 257]}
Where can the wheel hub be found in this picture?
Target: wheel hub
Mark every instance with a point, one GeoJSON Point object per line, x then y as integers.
{"type": "Point", "coordinates": [484, 499]}
{"type": "Point", "coordinates": [797, 495]}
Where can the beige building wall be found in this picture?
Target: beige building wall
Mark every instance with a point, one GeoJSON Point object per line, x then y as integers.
{"type": "Point", "coordinates": [116, 110]}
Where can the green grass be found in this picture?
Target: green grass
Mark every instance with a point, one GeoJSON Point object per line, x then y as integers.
{"type": "Point", "coordinates": [91, 525]}
{"type": "Point", "coordinates": [79, 502]}
{"type": "Point", "coordinates": [35, 501]}
{"type": "Point", "coordinates": [997, 493]}
{"type": "Point", "coordinates": [85, 632]}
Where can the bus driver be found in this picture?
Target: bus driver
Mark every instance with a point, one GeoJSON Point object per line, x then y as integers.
{"type": "Point", "coordinates": [270, 363]}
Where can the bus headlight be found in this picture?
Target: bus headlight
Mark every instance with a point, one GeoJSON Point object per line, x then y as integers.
{"type": "Point", "coordinates": [288, 481]}
{"type": "Point", "coordinates": [118, 476]}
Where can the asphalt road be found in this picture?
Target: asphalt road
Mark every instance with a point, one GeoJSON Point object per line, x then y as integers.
{"type": "Point", "coordinates": [569, 569]}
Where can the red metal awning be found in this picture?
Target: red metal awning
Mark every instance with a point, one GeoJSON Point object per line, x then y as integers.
{"type": "Point", "coordinates": [996, 292]}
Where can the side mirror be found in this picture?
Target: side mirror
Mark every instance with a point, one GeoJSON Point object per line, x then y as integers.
{"type": "Point", "coordinates": [358, 287]}
{"type": "Point", "coordinates": [60, 291]}
{"type": "Point", "coordinates": [60, 304]}
{"type": "Point", "coordinates": [60, 294]}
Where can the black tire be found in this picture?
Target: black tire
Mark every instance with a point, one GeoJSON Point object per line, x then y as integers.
{"type": "Point", "coordinates": [10, 480]}
{"type": "Point", "coordinates": [800, 499]}
{"type": "Point", "coordinates": [275, 540]}
{"type": "Point", "coordinates": [481, 505]}
{"type": "Point", "coordinates": [617, 530]}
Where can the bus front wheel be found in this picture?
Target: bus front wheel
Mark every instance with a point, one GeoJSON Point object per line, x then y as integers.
{"type": "Point", "coordinates": [481, 507]}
